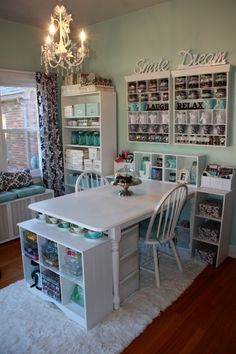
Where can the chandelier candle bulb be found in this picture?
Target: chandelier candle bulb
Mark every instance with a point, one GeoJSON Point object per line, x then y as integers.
{"type": "Point", "coordinates": [58, 50]}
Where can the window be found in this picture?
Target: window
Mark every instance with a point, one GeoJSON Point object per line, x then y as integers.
{"type": "Point", "coordinates": [19, 130]}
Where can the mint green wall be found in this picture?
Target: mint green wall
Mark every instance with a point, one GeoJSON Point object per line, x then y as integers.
{"type": "Point", "coordinates": [162, 31]}
{"type": "Point", "coordinates": [20, 46]}
{"type": "Point", "coordinates": [155, 32]}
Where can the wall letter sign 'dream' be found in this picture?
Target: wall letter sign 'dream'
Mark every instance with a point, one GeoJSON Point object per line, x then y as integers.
{"type": "Point", "coordinates": [143, 66]}
{"type": "Point", "coordinates": [190, 59]}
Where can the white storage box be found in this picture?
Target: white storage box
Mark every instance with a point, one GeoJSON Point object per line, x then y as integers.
{"type": "Point", "coordinates": [88, 164]}
{"type": "Point", "coordinates": [94, 154]}
{"type": "Point", "coordinates": [75, 166]}
{"type": "Point", "coordinates": [68, 111]}
{"type": "Point", "coordinates": [97, 166]}
{"type": "Point", "coordinates": [219, 183]}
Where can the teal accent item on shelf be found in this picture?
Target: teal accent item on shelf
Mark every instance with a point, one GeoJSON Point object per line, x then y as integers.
{"type": "Point", "coordinates": [92, 109]}
{"type": "Point", "coordinates": [93, 234]}
{"type": "Point", "coordinates": [79, 110]}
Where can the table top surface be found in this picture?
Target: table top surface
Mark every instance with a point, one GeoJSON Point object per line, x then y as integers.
{"type": "Point", "coordinates": [101, 208]}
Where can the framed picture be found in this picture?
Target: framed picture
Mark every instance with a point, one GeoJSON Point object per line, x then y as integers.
{"type": "Point", "coordinates": [183, 176]}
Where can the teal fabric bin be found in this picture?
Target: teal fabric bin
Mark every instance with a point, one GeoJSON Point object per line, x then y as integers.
{"type": "Point", "coordinates": [79, 110]}
{"type": "Point", "coordinates": [92, 109]}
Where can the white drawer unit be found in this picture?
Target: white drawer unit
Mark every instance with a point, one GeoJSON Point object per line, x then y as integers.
{"type": "Point", "coordinates": [71, 271]}
{"type": "Point", "coordinates": [129, 262]}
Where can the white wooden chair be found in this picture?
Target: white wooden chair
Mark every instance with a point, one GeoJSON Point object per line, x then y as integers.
{"type": "Point", "coordinates": [90, 179]}
{"type": "Point", "coordinates": [161, 227]}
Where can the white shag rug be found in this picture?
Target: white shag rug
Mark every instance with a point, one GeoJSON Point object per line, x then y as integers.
{"type": "Point", "coordinates": [30, 325]}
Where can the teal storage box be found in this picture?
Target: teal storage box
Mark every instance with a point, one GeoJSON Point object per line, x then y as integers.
{"type": "Point", "coordinates": [92, 109]}
{"type": "Point", "coordinates": [79, 110]}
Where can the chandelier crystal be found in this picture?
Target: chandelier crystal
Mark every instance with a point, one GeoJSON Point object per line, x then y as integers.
{"type": "Point", "coordinates": [59, 51]}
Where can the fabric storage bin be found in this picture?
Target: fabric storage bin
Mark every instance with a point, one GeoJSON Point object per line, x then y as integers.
{"type": "Point", "coordinates": [92, 109]}
{"type": "Point", "coordinates": [72, 178]}
{"type": "Point", "coordinates": [211, 208]}
{"type": "Point", "coordinates": [209, 231]}
{"type": "Point", "coordinates": [97, 166]}
{"type": "Point", "coordinates": [68, 111]}
{"type": "Point", "coordinates": [206, 254]}
{"type": "Point", "coordinates": [79, 110]}
{"type": "Point", "coordinates": [129, 285]}
{"type": "Point", "coordinates": [88, 164]}
{"type": "Point", "coordinates": [94, 154]}
{"type": "Point", "coordinates": [128, 265]}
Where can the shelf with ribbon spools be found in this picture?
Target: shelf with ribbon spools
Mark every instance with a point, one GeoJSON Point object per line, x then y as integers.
{"type": "Point", "coordinates": [201, 105]}
{"type": "Point", "coordinates": [148, 107]}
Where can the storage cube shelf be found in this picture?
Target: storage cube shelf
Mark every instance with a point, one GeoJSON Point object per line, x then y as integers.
{"type": "Point", "coordinates": [67, 266]}
{"type": "Point", "coordinates": [170, 167]}
{"type": "Point", "coordinates": [89, 123]}
{"type": "Point", "coordinates": [148, 102]}
{"type": "Point", "coordinates": [200, 106]}
{"type": "Point", "coordinates": [211, 222]}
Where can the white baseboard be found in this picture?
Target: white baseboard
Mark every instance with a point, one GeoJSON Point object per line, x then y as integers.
{"type": "Point", "coordinates": [232, 251]}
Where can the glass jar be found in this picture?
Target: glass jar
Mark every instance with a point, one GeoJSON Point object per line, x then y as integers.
{"type": "Point", "coordinates": [81, 138]}
{"type": "Point", "coordinates": [96, 138]}
{"type": "Point", "coordinates": [74, 138]}
{"type": "Point", "coordinates": [193, 173]}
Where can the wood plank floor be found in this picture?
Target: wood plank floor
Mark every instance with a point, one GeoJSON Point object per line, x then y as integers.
{"type": "Point", "coordinates": [201, 321]}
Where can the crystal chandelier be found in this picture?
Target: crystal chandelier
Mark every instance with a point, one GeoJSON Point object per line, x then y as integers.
{"type": "Point", "coordinates": [58, 51]}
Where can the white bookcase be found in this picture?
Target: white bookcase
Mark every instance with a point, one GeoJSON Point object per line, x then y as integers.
{"type": "Point", "coordinates": [170, 167]}
{"type": "Point", "coordinates": [81, 288]}
{"type": "Point", "coordinates": [89, 132]}
{"type": "Point", "coordinates": [211, 224]}
{"type": "Point", "coordinates": [201, 106]}
{"type": "Point", "coordinates": [148, 107]}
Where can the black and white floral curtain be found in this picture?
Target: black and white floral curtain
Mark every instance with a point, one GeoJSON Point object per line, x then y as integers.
{"type": "Point", "coordinates": [50, 140]}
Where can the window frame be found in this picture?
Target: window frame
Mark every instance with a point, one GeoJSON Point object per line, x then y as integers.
{"type": "Point", "coordinates": [12, 78]}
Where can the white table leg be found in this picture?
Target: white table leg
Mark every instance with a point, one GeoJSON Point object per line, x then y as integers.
{"type": "Point", "coordinates": [115, 235]}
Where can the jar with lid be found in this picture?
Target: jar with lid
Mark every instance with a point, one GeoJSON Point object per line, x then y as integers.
{"type": "Point", "coordinates": [96, 138]}
{"type": "Point", "coordinates": [172, 177]}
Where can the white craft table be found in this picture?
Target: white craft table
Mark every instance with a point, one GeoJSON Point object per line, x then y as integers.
{"type": "Point", "coordinates": [102, 209]}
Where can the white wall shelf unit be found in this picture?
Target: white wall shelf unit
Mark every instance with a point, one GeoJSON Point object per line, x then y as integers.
{"type": "Point", "coordinates": [75, 273]}
{"type": "Point", "coordinates": [211, 224]}
{"type": "Point", "coordinates": [170, 167]}
{"type": "Point", "coordinates": [148, 105]}
{"type": "Point", "coordinates": [89, 132]}
{"type": "Point", "coordinates": [201, 105]}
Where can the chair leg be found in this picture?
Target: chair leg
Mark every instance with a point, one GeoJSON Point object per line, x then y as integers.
{"type": "Point", "coordinates": [176, 255]}
{"type": "Point", "coordinates": [156, 264]}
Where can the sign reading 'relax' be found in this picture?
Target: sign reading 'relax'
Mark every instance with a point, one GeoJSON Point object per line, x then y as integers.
{"type": "Point", "coordinates": [189, 59]}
